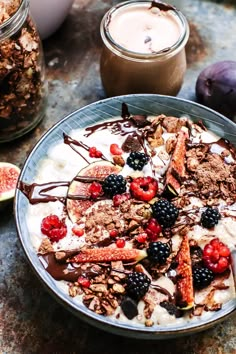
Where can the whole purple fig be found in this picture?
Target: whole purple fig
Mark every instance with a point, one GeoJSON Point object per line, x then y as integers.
{"type": "Point", "coordinates": [216, 87]}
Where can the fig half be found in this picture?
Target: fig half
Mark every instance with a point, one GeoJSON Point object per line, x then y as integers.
{"type": "Point", "coordinates": [9, 174]}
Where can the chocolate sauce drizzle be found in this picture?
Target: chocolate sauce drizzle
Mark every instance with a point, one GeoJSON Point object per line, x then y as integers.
{"type": "Point", "coordinates": [37, 193]}
{"type": "Point", "coordinates": [65, 271]}
{"type": "Point", "coordinates": [69, 141]}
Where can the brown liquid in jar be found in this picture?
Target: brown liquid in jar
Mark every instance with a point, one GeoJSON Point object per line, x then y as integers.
{"type": "Point", "coordinates": [143, 49]}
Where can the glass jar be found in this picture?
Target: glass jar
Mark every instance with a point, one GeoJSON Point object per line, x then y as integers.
{"type": "Point", "coordinates": [143, 48]}
{"type": "Point", "coordinates": [22, 71]}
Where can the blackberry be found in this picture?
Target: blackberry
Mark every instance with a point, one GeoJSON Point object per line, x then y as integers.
{"type": "Point", "coordinates": [202, 277]}
{"type": "Point", "coordinates": [210, 217]}
{"type": "Point", "coordinates": [114, 184]}
{"type": "Point", "coordinates": [137, 284]}
{"type": "Point", "coordinates": [137, 160]}
{"type": "Point", "coordinates": [158, 252]}
{"type": "Point", "coordinates": [165, 213]}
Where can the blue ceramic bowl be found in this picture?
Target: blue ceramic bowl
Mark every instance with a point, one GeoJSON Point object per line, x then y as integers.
{"type": "Point", "coordinates": [111, 107]}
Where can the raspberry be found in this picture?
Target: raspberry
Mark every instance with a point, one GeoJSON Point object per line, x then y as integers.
{"type": "Point", "coordinates": [165, 212]}
{"type": "Point", "coordinates": [114, 184]}
{"type": "Point", "coordinates": [78, 231]}
{"type": "Point", "coordinates": [115, 149]}
{"type": "Point", "coordinates": [137, 160]}
{"type": "Point", "coordinates": [84, 282]}
{"type": "Point", "coordinates": [137, 284]}
{"type": "Point", "coordinates": [216, 256]}
{"type": "Point", "coordinates": [153, 229]}
{"type": "Point", "coordinates": [120, 243]}
{"type": "Point", "coordinates": [202, 277]}
{"type": "Point", "coordinates": [53, 227]}
{"type": "Point", "coordinates": [120, 198]}
{"type": "Point", "coordinates": [158, 252]}
{"type": "Point", "coordinates": [144, 188]}
{"type": "Point", "coordinates": [93, 152]}
{"type": "Point", "coordinates": [210, 217]}
{"type": "Point", "coordinates": [95, 190]}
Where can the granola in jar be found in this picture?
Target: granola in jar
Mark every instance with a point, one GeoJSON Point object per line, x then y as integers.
{"type": "Point", "coordinates": [22, 81]}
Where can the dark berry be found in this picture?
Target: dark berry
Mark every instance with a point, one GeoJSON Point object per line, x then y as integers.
{"type": "Point", "coordinates": [137, 160]}
{"type": "Point", "coordinates": [202, 277]}
{"type": "Point", "coordinates": [137, 284]}
{"type": "Point", "coordinates": [165, 213]}
{"type": "Point", "coordinates": [210, 217]}
{"type": "Point", "coordinates": [158, 252]}
{"type": "Point", "coordinates": [114, 184]}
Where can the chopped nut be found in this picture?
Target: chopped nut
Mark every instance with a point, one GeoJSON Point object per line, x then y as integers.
{"type": "Point", "coordinates": [118, 288]}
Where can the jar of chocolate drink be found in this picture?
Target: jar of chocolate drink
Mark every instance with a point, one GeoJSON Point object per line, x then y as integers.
{"type": "Point", "coordinates": [143, 48]}
{"type": "Point", "coordinates": [22, 77]}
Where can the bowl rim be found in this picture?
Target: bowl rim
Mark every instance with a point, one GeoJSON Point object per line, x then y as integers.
{"type": "Point", "coordinates": [85, 314]}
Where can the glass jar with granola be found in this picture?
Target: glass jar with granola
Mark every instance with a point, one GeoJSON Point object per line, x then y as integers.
{"type": "Point", "coordinates": [22, 77]}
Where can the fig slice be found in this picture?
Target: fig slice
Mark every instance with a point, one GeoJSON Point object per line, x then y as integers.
{"type": "Point", "coordinates": [184, 286]}
{"type": "Point", "coordinates": [107, 254]}
{"type": "Point", "coordinates": [9, 174]}
{"type": "Point", "coordinates": [176, 170]}
{"type": "Point", "coordinates": [77, 207]}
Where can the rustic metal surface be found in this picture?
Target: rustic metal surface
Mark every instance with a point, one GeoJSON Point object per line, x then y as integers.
{"type": "Point", "coordinates": [31, 321]}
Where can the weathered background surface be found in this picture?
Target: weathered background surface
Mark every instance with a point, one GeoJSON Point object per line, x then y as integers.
{"type": "Point", "coordinates": [31, 321]}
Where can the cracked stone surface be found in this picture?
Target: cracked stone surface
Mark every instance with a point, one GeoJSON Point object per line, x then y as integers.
{"type": "Point", "coordinates": [31, 321]}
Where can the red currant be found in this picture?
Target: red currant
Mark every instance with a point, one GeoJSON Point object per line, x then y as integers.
{"type": "Point", "coordinates": [153, 229]}
{"type": "Point", "coordinates": [113, 233]}
{"type": "Point", "coordinates": [120, 243]}
{"type": "Point", "coordinates": [84, 282]}
{"type": "Point", "coordinates": [93, 152]}
{"type": "Point", "coordinates": [95, 190]}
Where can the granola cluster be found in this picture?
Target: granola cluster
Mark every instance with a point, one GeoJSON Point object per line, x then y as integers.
{"type": "Point", "coordinates": [21, 76]}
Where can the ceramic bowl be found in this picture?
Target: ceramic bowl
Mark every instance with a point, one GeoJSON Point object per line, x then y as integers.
{"type": "Point", "coordinates": [139, 104]}
{"type": "Point", "coordinates": [49, 15]}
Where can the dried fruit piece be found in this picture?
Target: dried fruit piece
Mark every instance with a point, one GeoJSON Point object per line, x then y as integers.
{"type": "Point", "coordinates": [115, 149]}
{"type": "Point", "coordinates": [75, 205]}
{"type": "Point", "coordinates": [9, 174]}
{"type": "Point", "coordinates": [176, 170]}
{"type": "Point", "coordinates": [144, 188]}
{"type": "Point", "coordinates": [216, 256]}
{"type": "Point", "coordinates": [108, 254]}
{"type": "Point", "coordinates": [184, 286]}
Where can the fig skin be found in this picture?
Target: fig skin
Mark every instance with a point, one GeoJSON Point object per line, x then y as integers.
{"type": "Point", "coordinates": [216, 88]}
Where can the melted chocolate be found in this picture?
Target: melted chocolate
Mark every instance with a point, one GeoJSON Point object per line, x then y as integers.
{"type": "Point", "coordinates": [163, 291]}
{"type": "Point", "coordinates": [162, 6]}
{"type": "Point", "coordinates": [37, 193]}
{"type": "Point", "coordinates": [69, 141]}
{"type": "Point", "coordinates": [64, 271]}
